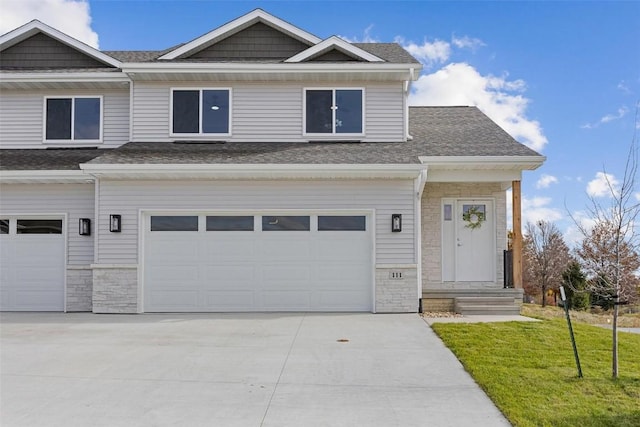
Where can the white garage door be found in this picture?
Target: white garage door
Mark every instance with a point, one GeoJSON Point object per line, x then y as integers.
{"type": "Point", "coordinates": [296, 262]}
{"type": "Point", "coordinates": [31, 264]}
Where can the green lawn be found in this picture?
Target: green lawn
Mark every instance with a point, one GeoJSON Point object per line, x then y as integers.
{"type": "Point", "coordinates": [529, 371]}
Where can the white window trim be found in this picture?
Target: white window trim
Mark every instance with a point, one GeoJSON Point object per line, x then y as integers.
{"type": "Point", "coordinates": [72, 140]}
{"type": "Point", "coordinates": [200, 134]}
{"type": "Point", "coordinates": [333, 134]}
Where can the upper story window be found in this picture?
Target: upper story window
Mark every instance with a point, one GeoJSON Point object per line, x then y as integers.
{"type": "Point", "coordinates": [334, 111]}
{"type": "Point", "coordinates": [75, 118]}
{"type": "Point", "coordinates": [200, 111]}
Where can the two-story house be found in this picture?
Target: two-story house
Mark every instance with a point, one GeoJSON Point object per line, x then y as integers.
{"type": "Point", "coordinates": [255, 168]}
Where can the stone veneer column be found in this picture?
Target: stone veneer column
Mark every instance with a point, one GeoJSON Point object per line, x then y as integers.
{"type": "Point", "coordinates": [397, 288]}
{"type": "Point", "coordinates": [115, 288]}
{"type": "Point", "coordinates": [79, 288]}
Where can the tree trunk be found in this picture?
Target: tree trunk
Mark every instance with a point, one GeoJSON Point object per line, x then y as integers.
{"type": "Point", "coordinates": [544, 295]}
{"type": "Point", "coordinates": [614, 364]}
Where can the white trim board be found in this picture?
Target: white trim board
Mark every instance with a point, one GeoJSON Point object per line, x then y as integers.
{"type": "Point", "coordinates": [238, 24]}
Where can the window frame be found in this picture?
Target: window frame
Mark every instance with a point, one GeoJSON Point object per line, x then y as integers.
{"type": "Point", "coordinates": [73, 140]}
{"type": "Point", "coordinates": [200, 134]}
{"type": "Point", "coordinates": [333, 134]}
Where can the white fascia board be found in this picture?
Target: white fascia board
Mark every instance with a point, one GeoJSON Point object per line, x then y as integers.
{"type": "Point", "coordinates": [477, 175]}
{"type": "Point", "coordinates": [32, 28]}
{"type": "Point", "coordinates": [407, 70]}
{"type": "Point", "coordinates": [250, 18]}
{"type": "Point", "coordinates": [44, 176]}
{"type": "Point", "coordinates": [331, 43]}
{"type": "Point", "coordinates": [483, 162]}
{"type": "Point", "coordinates": [67, 76]}
{"type": "Point", "coordinates": [253, 171]}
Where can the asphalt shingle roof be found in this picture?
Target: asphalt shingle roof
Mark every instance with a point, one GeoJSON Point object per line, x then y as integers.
{"type": "Point", "coordinates": [49, 159]}
{"type": "Point", "coordinates": [436, 131]}
{"type": "Point", "coordinates": [390, 52]}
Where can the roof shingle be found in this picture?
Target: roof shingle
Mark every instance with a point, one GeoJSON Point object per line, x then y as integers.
{"type": "Point", "coordinates": [436, 131]}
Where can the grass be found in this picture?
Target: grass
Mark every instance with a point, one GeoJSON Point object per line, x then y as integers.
{"type": "Point", "coordinates": [602, 318]}
{"type": "Point", "coordinates": [529, 371]}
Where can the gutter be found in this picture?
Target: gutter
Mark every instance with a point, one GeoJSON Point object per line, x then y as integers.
{"type": "Point", "coordinates": [253, 171]}
{"type": "Point", "coordinates": [45, 176]}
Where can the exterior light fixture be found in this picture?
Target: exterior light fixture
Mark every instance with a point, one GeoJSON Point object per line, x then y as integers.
{"type": "Point", "coordinates": [396, 223]}
{"type": "Point", "coordinates": [84, 227]}
{"type": "Point", "coordinates": [115, 223]}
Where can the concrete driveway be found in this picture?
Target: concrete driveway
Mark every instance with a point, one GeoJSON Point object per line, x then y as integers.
{"type": "Point", "coordinates": [233, 370]}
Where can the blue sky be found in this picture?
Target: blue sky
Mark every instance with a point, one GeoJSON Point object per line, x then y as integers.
{"type": "Point", "coordinates": [562, 77]}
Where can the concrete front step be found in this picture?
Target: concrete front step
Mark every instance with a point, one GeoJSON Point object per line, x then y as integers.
{"type": "Point", "coordinates": [486, 305]}
{"type": "Point", "coordinates": [496, 310]}
{"type": "Point", "coordinates": [486, 300]}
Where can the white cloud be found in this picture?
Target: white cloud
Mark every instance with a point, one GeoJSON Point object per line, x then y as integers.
{"type": "Point", "coordinates": [622, 86]}
{"type": "Point", "coordinates": [498, 97]}
{"type": "Point", "coordinates": [622, 111]}
{"type": "Point", "coordinates": [72, 17]}
{"type": "Point", "coordinates": [602, 185]}
{"type": "Point", "coordinates": [532, 210]}
{"type": "Point", "coordinates": [546, 180]}
{"type": "Point", "coordinates": [366, 37]}
{"type": "Point", "coordinates": [467, 42]}
{"type": "Point", "coordinates": [574, 235]}
{"type": "Point", "coordinates": [429, 53]}
{"type": "Point", "coordinates": [538, 208]}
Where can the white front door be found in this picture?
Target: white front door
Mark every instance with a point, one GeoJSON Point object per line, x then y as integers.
{"type": "Point", "coordinates": [475, 241]}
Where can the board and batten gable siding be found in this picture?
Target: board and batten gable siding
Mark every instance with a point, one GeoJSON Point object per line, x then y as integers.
{"type": "Point", "coordinates": [43, 52]}
{"type": "Point", "coordinates": [268, 112]}
{"type": "Point", "coordinates": [22, 121]}
{"type": "Point", "coordinates": [127, 198]}
{"type": "Point", "coordinates": [75, 200]}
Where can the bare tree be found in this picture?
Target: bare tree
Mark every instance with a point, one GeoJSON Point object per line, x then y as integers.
{"type": "Point", "coordinates": [609, 250]}
{"type": "Point", "coordinates": [545, 257]}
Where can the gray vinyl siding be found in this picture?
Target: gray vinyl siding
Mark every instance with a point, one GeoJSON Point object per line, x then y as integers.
{"type": "Point", "coordinates": [334, 55]}
{"type": "Point", "coordinates": [127, 198]}
{"type": "Point", "coordinates": [268, 112]}
{"type": "Point", "coordinates": [42, 52]}
{"type": "Point", "coordinates": [258, 41]}
{"type": "Point", "coordinates": [76, 200]}
{"type": "Point", "coordinates": [21, 117]}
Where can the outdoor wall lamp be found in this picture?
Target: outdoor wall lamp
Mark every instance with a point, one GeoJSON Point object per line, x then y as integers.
{"type": "Point", "coordinates": [396, 223]}
{"type": "Point", "coordinates": [84, 227]}
{"type": "Point", "coordinates": [115, 223]}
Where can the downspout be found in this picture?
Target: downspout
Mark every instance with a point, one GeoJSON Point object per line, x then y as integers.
{"type": "Point", "coordinates": [405, 98]}
{"type": "Point", "coordinates": [419, 184]}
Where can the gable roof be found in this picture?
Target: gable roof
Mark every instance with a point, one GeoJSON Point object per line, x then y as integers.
{"type": "Point", "coordinates": [238, 24]}
{"type": "Point", "coordinates": [333, 43]}
{"type": "Point", "coordinates": [34, 27]}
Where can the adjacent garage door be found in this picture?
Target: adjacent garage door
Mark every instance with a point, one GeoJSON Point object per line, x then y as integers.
{"type": "Point", "coordinates": [32, 264]}
{"type": "Point", "coordinates": [216, 263]}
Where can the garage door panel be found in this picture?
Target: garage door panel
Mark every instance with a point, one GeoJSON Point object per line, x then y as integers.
{"type": "Point", "coordinates": [32, 271]}
{"type": "Point", "coordinates": [276, 270]}
{"type": "Point", "coordinates": [232, 247]}
{"type": "Point", "coordinates": [273, 274]}
{"type": "Point", "coordinates": [285, 300]}
{"type": "Point", "coordinates": [179, 249]}
{"type": "Point", "coordinates": [184, 300]}
{"type": "Point", "coordinates": [347, 300]}
{"type": "Point", "coordinates": [288, 249]}
{"type": "Point", "coordinates": [174, 273]}
{"type": "Point", "coordinates": [343, 272]}
{"type": "Point", "coordinates": [37, 300]}
{"type": "Point", "coordinates": [229, 300]}
{"type": "Point", "coordinates": [218, 275]}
